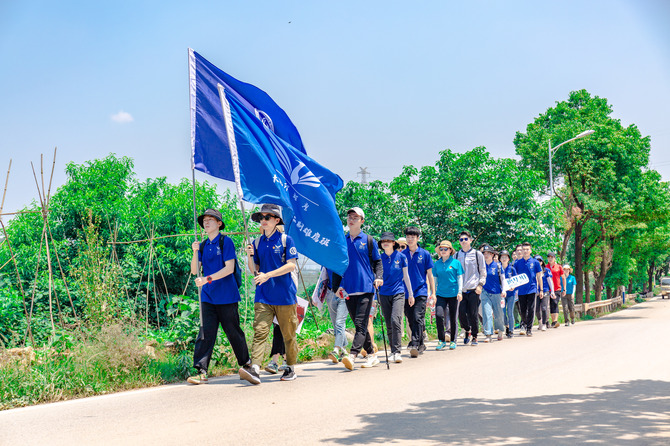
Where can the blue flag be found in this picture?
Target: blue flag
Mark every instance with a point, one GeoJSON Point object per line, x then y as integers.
{"type": "Point", "coordinates": [266, 167]}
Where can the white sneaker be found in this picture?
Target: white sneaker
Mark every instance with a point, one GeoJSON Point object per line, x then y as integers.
{"type": "Point", "coordinates": [348, 361]}
{"type": "Point", "coordinates": [543, 327]}
{"type": "Point", "coordinates": [371, 362]}
{"type": "Point", "coordinates": [397, 358]}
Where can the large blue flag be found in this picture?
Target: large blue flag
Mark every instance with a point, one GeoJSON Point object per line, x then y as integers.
{"type": "Point", "coordinates": [268, 168]}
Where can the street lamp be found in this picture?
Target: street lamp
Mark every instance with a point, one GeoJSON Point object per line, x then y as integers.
{"type": "Point", "coordinates": [552, 150]}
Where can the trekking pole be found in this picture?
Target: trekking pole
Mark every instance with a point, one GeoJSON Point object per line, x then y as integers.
{"type": "Point", "coordinates": [383, 329]}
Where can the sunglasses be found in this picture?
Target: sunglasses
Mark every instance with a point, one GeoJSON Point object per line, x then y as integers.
{"type": "Point", "coordinates": [444, 249]}
{"type": "Point", "coordinates": [267, 217]}
{"type": "Point", "coordinates": [463, 239]}
{"type": "Point", "coordinates": [403, 246]}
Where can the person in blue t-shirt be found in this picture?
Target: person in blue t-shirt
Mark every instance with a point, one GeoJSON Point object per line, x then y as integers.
{"type": "Point", "coordinates": [449, 274]}
{"type": "Point", "coordinates": [420, 270]}
{"type": "Point", "coordinates": [357, 286]}
{"type": "Point", "coordinates": [508, 272]}
{"type": "Point", "coordinates": [542, 303]}
{"type": "Point", "coordinates": [492, 295]}
{"type": "Point", "coordinates": [219, 296]}
{"type": "Point", "coordinates": [531, 268]}
{"type": "Point", "coordinates": [568, 300]}
{"type": "Point", "coordinates": [272, 260]}
{"type": "Point", "coordinates": [392, 292]}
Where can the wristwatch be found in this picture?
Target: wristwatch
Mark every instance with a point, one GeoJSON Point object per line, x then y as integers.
{"type": "Point", "coordinates": [209, 279]}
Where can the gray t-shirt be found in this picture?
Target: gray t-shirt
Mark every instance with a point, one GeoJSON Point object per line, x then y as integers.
{"type": "Point", "coordinates": [474, 267]}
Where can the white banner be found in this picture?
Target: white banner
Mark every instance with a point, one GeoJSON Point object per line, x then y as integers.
{"type": "Point", "coordinates": [515, 282]}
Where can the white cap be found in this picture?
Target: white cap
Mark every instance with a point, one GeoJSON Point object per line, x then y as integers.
{"type": "Point", "coordinates": [357, 211]}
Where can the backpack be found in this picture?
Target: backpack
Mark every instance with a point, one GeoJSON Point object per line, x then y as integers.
{"type": "Point", "coordinates": [237, 273]}
{"type": "Point", "coordinates": [294, 273]}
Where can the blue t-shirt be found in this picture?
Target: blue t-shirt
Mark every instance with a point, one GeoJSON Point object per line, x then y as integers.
{"type": "Point", "coordinates": [359, 277]}
{"type": "Point", "coordinates": [418, 265]}
{"type": "Point", "coordinates": [222, 291]}
{"type": "Point", "coordinates": [393, 276]}
{"type": "Point", "coordinates": [530, 268]}
{"type": "Point", "coordinates": [276, 290]}
{"type": "Point", "coordinates": [508, 273]}
{"type": "Point", "coordinates": [570, 284]}
{"type": "Point", "coordinates": [546, 277]}
{"type": "Point", "coordinates": [446, 273]}
{"type": "Point", "coordinates": [492, 284]}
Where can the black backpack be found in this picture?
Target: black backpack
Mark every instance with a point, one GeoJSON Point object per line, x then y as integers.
{"type": "Point", "coordinates": [237, 273]}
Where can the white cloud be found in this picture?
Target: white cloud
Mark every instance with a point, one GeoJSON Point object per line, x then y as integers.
{"type": "Point", "coordinates": [122, 117]}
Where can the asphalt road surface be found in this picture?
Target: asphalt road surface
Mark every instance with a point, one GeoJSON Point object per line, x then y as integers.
{"type": "Point", "coordinates": [605, 381]}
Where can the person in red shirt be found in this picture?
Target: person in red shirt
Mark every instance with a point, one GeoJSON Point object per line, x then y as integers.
{"type": "Point", "coordinates": [559, 287]}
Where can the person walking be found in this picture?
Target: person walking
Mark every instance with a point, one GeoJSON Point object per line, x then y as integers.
{"type": "Point", "coordinates": [420, 270]}
{"type": "Point", "coordinates": [392, 292]}
{"type": "Point", "coordinates": [568, 300]}
{"type": "Point", "coordinates": [449, 274]}
{"type": "Point", "coordinates": [492, 295]}
{"type": "Point", "coordinates": [337, 308]}
{"type": "Point", "coordinates": [474, 278]}
{"type": "Point", "coordinates": [272, 260]}
{"type": "Point", "coordinates": [558, 279]}
{"type": "Point", "coordinates": [542, 303]}
{"type": "Point", "coordinates": [511, 298]}
{"type": "Point", "coordinates": [357, 285]}
{"type": "Point", "coordinates": [220, 296]}
{"type": "Point", "coordinates": [527, 292]}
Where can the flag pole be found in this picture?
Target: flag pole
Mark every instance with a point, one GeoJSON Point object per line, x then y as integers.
{"type": "Point", "coordinates": [191, 86]}
{"type": "Point", "coordinates": [230, 132]}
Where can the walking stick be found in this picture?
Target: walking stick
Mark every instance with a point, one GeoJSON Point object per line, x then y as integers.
{"type": "Point", "coordinates": [386, 352]}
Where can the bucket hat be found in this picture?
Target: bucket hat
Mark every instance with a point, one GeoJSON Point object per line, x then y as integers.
{"type": "Point", "coordinates": [211, 213]}
{"type": "Point", "coordinates": [445, 244]}
{"type": "Point", "coordinates": [388, 237]}
{"type": "Point", "coordinates": [268, 208]}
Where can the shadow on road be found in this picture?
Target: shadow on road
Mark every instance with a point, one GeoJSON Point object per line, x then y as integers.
{"type": "Point", "coordinates": [636, 412]}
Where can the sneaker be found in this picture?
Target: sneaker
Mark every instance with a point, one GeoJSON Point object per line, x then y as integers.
{"type": "Point", "coordinates": [283, 367]}
{"type": "Point", "coordinates": [556, 325]}
{"type": "Point", "coordinates": [474, 341]}
{"type": "Point", "coordinates": [335, 356]}
{"type": "Point", "coordinates": [272, 368]}
{"type": "Point", "coordinates": [422, 348]}
{"type": "Point", "coordinates": [522, 331]}
{"type": "Point", "coordinates": [487, 338]}
{"type": "Point", "coordinates": [500, 336]}
{"type": "Point", "coordinates": [371, 362]}
{"type": "Point", "coordinates": [452, 346]}
{"type": "Point", "coordinates": [289, 374]}
{"type": "Point", "coordinates": [529, 333]}
{"type": "Point", "coordinates": [441, 345]}
{"type": "Point", "coordinates": [249, 373]}
{"type": "Point", "coordinates": [414, 352]}
{"type": "Point", "coordinates": [397, 358]}
{"type": "Point", "coordinates": [567, 324]}
{"type": "Point", "coordinates": [466, 339]}
{"type": "Point", "coordinates": [543, 328]}
{"type": "Point", "coordinates": [348, 361]}
{"type": "Point", "coordinates": [573, 322]}
{"type": "Point", "coordinates": [447, 337]}
{"type": "Point", "coordinates": [200, 378]}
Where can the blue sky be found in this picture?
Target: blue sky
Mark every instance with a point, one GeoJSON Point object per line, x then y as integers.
{"type": "Point", "coordinates": [368, 84]}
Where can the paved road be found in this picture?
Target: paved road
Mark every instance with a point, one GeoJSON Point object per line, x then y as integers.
{"type": "Point", "coordinates": [605, 381]}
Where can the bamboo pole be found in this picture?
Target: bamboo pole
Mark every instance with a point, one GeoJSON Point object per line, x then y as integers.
{"type": "Point", "coordinates": [18, 279]}
{"type": "Point", "coordinates": [304, 288]}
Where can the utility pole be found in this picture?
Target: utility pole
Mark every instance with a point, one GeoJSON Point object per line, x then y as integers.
{"type": "Point", "coordinates": [364, 175]}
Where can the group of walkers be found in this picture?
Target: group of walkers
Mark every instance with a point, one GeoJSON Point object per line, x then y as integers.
{"type": "Point", "coordinates": [402, 279]}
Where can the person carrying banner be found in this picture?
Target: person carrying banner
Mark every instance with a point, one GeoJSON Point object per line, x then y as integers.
{"type": "Point", "coordinates": [474, 279]}
{"type": "Point", "coordinates": [449, 274]}
{"type": "Point", "coordinates": [492, 295]}
{"type": "Point", "coordinates": [272, 259]}
{"type": "Point", "coordinates": [219, 296]}
{"type": "Point", "coordinates": [511, 296]}
{"type": "Point", "coordinates": [392, 292]}
{"type": "Point", "coordinates": [533, 270]}
{"type": "Point", "coordinates": [559, 287]}
{"type": "Point", "coordinates": [420, 270]}
{"type": "Point", "coordinates": [357, 285]}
